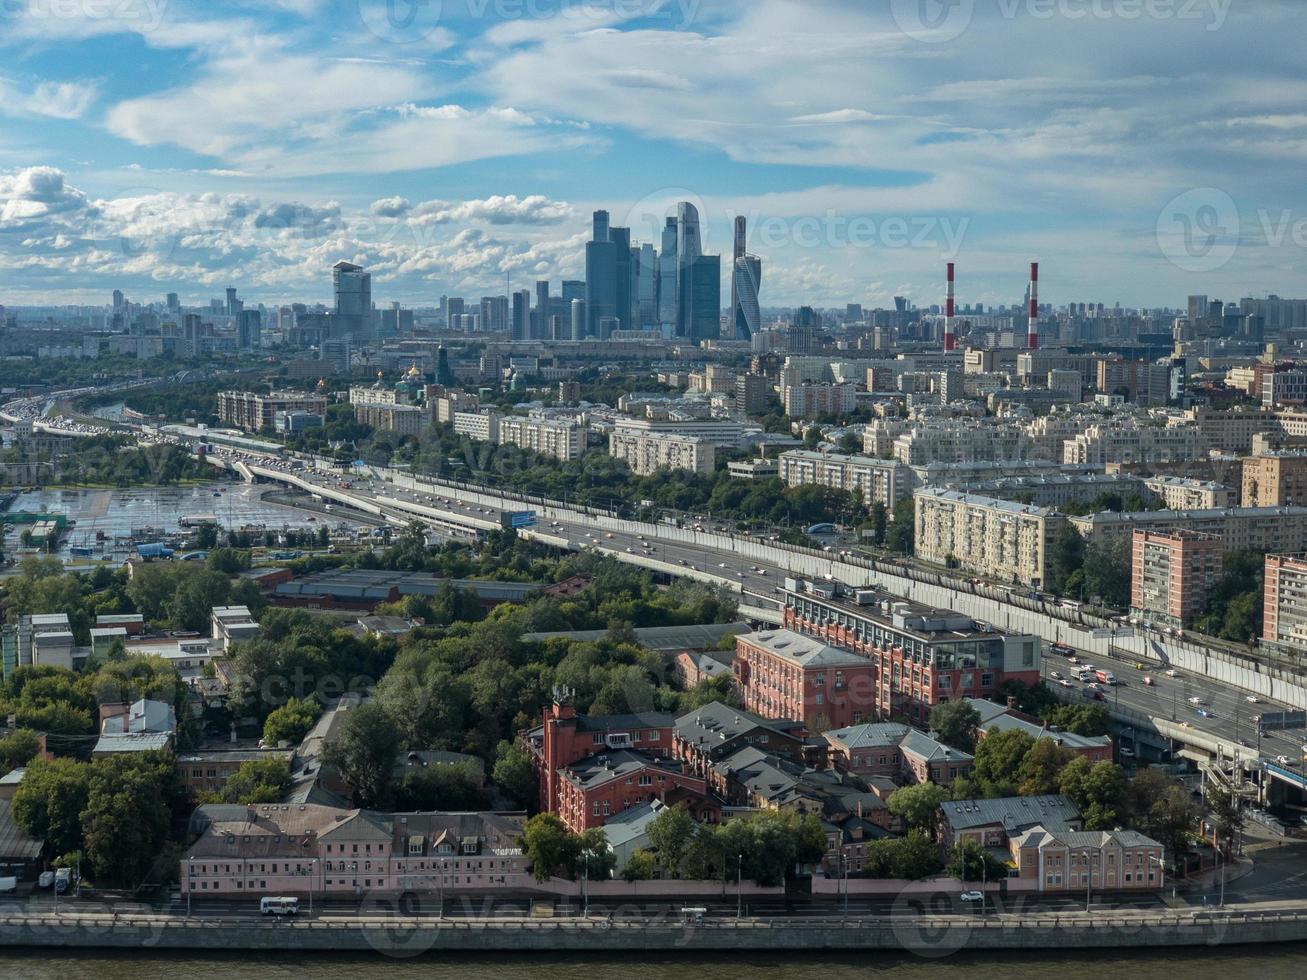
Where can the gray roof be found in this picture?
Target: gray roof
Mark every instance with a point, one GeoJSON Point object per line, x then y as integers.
{"type": "Point", "coordinates": [15, 844]}
{"type": "Point", "coordinates": [133, 742]}
{"type": "Point", "coordinates": [1013, 813]}
{"type": "Point", "coordinates": [598, 769]}
{"type": "Point", "coordinates": [1073, 839]}
{"type": "Point", "coordinates": [715, 723]}
{"type": "Point", "coordinates": [1002, 721]}
{"type": "Point", "coordinates": [876, 735]}
{"type": "Point", "coordinates": [365, 584]}
{"type": "Point", "coordinates": [632, 824]}
{"type": "Point", "coordinates": [804, 651]}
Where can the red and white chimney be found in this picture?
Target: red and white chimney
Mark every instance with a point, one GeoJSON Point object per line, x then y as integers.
{"type": "Point", "coordinates": [950, 342]}
{"type": "Point", "coordinates": [1032, 331]}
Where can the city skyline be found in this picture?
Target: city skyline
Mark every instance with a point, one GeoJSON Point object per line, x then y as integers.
{"type": "Point", "coordinates": [864, 150]}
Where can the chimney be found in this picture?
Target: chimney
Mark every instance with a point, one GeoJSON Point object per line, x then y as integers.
{"type": "Point", "coordinates": [950, 342]}
{"type": "Point", "coordinates": [1011, 703]}
{"type": "Point", "coordinates": [1032, 331]}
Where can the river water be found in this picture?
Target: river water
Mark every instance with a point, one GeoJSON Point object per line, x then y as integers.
{"type": "Point", "coordinates": [1229, 963]}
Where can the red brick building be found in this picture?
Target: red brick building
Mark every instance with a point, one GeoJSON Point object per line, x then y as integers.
{"type": "Point", "coordinates": [1172, 573]}
{"type": "Point", "coordinates": [922, 656]}
{"type": "Point", "coordinates": [782, 674]}
{"type": "Point", "coordinates": [597, 788]}
{"type": "Point", "coordinates": [565, 738]}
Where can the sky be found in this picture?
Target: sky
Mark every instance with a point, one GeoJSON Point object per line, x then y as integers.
{"type": "Point", "coordinates": [1141, 150]}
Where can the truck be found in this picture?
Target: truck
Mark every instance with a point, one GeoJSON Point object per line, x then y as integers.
{"type": "Point", "coordinates": [1105, 676]}
{"type": "Point", "coordinates": [8, 885]}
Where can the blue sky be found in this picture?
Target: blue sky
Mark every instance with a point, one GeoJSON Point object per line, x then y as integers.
{"type": "Point", "coordinates": [1140, 149]}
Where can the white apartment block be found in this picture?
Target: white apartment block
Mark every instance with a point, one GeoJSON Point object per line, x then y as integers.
{"type": "Point", "coordinates": [549, 437]}
{"type": "Point", "coordinates": [886, 481]}
{"type": "Point", "coordinates": [999, 539]}
{"type": "Point", "coordinates": [646, 453]}
{"type": "Point", "coordinates": [1177, 493]}
{"type": "Point", "coordinates": [721, 432]}
{"type": "Point", "coordinates": [808, 399]}
{"type": "Point", "coordinates": [955, 442]}
{"type": "Point", "coordinates": [482, 426]}
{"type": "Point", "coordinates": [878, 435]}
{"type": "Point", "coordinates": [1131, 443]}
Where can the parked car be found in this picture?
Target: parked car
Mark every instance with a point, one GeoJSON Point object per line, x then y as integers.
{"type": "Point", "coordinates": [46, 880]}
{"type": "Point", "coordinates": [973, 896]}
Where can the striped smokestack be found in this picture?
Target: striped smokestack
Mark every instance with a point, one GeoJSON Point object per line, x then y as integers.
{"type": "Point", "coordinates": [950, 342]}
{"type": "Point", "coordinates": [1032, 331]}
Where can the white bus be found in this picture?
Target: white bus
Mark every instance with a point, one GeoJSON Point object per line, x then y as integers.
{"type": "Point", "coordinates": [279, 906]}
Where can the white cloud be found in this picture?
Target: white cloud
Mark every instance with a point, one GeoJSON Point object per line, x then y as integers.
{"type": "Point", "coordinates": [54, 100]}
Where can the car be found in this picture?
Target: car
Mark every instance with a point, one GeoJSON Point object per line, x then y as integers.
{"type": "Point", "coordinates": [46, 880]}
{"type": "Point", "coordinates": [1197, 700]}
{"type": "Point", "coordinates": [721, 565]}
{"type": "Point", "coordinates": [1172, 673]}
{"type": "Point", "coordinates": [630, 551]}
{"type": "Point", "coordinates": [1148, 682]}
{"type": "Point", "coordinates": [1205, 713]}
{"type": "Point", "coordinates": [63, 880]}
{"type": "Point", "coordinates": [1253, 699]}
{"type": "Point", "coordinates": [609, 535]}
{"type": "Point", "coordinates": [973, 896]}
{"type": "Point", "coordinates": [762, 571]}
{"type": "Point", "coordinates": [680, 561]}
{"type": "Point", "coordinates": [1126, 753]}
{"type": "Point", "coordinates": [1282, 760]}
{"type": "Point", "coordinates": [1064, 683]}
{"type": "Point", "coordinates": [1055, 675]}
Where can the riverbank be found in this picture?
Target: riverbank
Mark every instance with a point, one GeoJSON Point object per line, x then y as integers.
{"type": "Point", "coordinates": [385, 931]}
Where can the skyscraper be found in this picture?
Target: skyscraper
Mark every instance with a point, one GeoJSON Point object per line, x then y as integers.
{"type": "Point", "coordinates": [698, 280]}
{"type": "Point", "coordinates": [667, 275]}
{"type": "Point", "coordinates": [578, 319]}
{"type": "Point", "coordinates": [646, 291]}
{"type": "Point", "coordinates": [541, 320]}
{"type": "Point", "coordinates": [353, 288]}
{"type": "Point", "coordinates": [250, 329]}
{"type": "Point", "coordinates": [234, 306]}
{"type": "Point", "coordinates": [736, 255]}
{"type": "Point", "coordinates": [746, 283]}
{"type": "Point", "coordinates": [600, 275]}
{"type": "Point", "coordinates": [522, 314]}
{"type": "Point", "coordinates": [621, 239]}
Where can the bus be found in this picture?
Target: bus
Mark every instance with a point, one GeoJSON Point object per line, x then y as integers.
{"type": "Point", "coordinates": [279, 906]}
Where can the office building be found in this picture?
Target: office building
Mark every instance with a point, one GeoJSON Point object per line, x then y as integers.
{"type": "Point", "coordinates": [1172, 572]}
{"type": "Point", "coordinates": [522, 315]}
{"type": "Point", "coordinates": [746, 283]}
{"type": "Point", "coordinates": [698, 280]}
{"type": "Point", "coordinates": [353, 290]}
{"type": "Point", "coordinates": [784, 674]}
{"type": "Point", "coordinates": [253, 413]}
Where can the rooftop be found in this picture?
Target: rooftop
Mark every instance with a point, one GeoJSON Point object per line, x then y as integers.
{"type": "Point", "coordinates": [803, 651]}
{"type": "Point", "coordinates": [1013, 813]}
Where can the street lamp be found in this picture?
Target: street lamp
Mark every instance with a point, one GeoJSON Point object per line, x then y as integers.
{"type": "Point", "coordinates": [443, 866]}
{"type": "Point", "coordinates": [739, 885]}
{"type": "Point", "coordinates": [1161, 866]}
{"type": "Point", "coordinates": [1089, 877]}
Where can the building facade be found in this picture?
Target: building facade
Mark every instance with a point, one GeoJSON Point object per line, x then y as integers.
{"type": "Point", "coordinates": [885, 481]}
{"type": "Point", "coordinates": [1172, 572]}
{"type": "Point", "coordinates": [254, 413]}
{"type": "Point", "coordinates": [997, 538]}
{"type": "Point", "coordinates": [783, 674]}
{"type": "Point", "coordinates": [645, 454]}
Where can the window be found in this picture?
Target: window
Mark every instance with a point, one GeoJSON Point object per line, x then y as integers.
{"type": "Point", "coordinates": [652, 735]}
{"type": "Point", "coordinates": [646, 780]}
{"type": "Point", "coordinates": [820, 699]}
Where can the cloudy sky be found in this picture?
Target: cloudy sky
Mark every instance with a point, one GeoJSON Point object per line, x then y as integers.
{"type": "Point", "coordinates": [1140, 149]}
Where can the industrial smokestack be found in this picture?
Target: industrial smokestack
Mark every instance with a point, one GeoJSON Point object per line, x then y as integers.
{"type": "Point", "coordinates": [950, 342]}
{"type": "Point", "coordinates": [1032, 331]}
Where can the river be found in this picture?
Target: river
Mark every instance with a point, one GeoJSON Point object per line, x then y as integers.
{"type": "Point", "coordinates": [1231, 963]}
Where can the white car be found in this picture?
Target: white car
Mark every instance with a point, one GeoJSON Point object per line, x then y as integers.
{"type": "Point", "coordinates": [973, 896]}
{"type": "Point", "coordinates": [1253, 699]}
{"type": "Point", "coordinates": [1196, 700]}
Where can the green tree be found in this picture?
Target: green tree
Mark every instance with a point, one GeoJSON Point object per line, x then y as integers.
{"type": "Point", "coordinates": [1041, 766]}
{"type": "Point", "coordinates": [1227, 813]}
{"type": "Point", "coordinates": [364, 753]}
{"type": "Point", "coordinates": [912, 857]}
{"type": "Point", "coordinates": [441, 787]}
{"type": "Point", "coordinates": [550, 847]}
{"type": "Point", "coordinates": [671, 834]}
{"type": "Point", "coordinates": [956, 723]}
{"type": "Point", "coordinates": [879, 522]}
{"type": "Point", "coordinates": [291, 722]}
{"type": "Point", "coordinates": [1066, 557]}
{"type": "Point", "coordinates": [18, 749]}
{"type": "Point", "coordinates": [998, 758]}
{"type": "Point", "coordinates": [1091, 720]}
{"type": "Point", "coordinates": [971, 862]}
{"type": "Point", "coordinates": [641, 866]}
{"type": "Point", "coordinates": [917, 806]}
{"type": "Point", "coordinates": [594, 857]}
{"type": "Point", "coordinates": [515, 775]}
{"type": "Point", "coordinates": [256, 781]}
{"type": "Point", "coordinates": [126, 821]}
{"type": "Point", "coordinates": [50, 800]}
{"type": "Point", "coordinates": [1162, 808]}
{"type": "Point", "coordinates": [901, 534]}
{"type": "Point", "coordinates": [1098, 789]}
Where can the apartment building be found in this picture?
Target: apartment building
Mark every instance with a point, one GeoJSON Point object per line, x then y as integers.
{"type": "Point", "coordinates": [1133, 443]}
{"type": "Point", "coordinates": [481, 426]}
{"type": "Point", "coordinates": [560, 438]}
{"type": "Point", "coordinates": [1057, 489]}
{"type": "Point", "coordinates": [753, 394]}
{"type": "Point", "coordinates": [721, 432]}
{"type": "Point", "coordinates": [885, 481]}
{"type": "Point", "coordinates": [1284, 386]}
{"type": "Point", "coordinates": [809, 399]}
{"type": "Point", "coordinates": [897, 751]}
{"type": "Point", "coordinates": [1277, 479]}
{"type": "Point", "coordinates": [254, 413]}
{"type": "Point", "coordinates": [783, 674]}
{"type": "Point", "coordinates": [1000, 539]}
{"type": "Point", "coordinates": [923, 656]}
{"type": "Point", "coordinates": [1264, 529]}
{"type": "Point", "coordinates": [403, 420]}
{"type": "Point", "coordinates": [1172, 572]}
{"type": "Point", "coordinates": [1178, 493]}
{"type": "Point", "coordinates": [1284, 604]}
{"type": "Point", "coordinates": [645, 454]}
{"type": "Point", "coordinates": [961, 442]}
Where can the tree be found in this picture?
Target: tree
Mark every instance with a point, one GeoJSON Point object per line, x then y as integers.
{"type": "Point", "coordinates": [1039, 770]}
{"type": "Point", "coordinates": [1163, 809]}
{"type": "Point", "coordinates": [1098, 789]}
{"type": "Point", "coordinates": [956, 723]}
{"type": "Point", "coordinates": [551, 848]}
{"type": "Point", "coordinates": [1066, 557]}
{"type": "Point", "coordinates": [291, 722]}
{"type": "Point", "coordinates": [671, 834]}
{"type": "Point", "coordinates": [999, 756]}
{"type": "Point", "coordinates": [441, 787]}
{"type": "Point", "coordinates": [1090, 720]}
{"type": "Point", "coordinates": [912, 857]}
{"type": "Point", "coordinates": [126, 821]}
{"type": "Point", "coordinates": [1227, 813]}
{"type": "Point", "coordinates": [901, 535]}
{"type": "Point", "coordinates": [364, 753]}
{"type": "Point", "coordinates": [48, 803]}
{"type": "Point", "coordinates": [515, 774]}
{"type": "Point", "coordinates": [641, 866]}
{"type": "Point", "coordinates": [256, 781]}
{"type": "Point", "coordinates": [969, 861]}
{"type": "Point", "coordinates": [917, 805]}
{"type": "Point", "coordinates": [879, 522]}
{"type": "Point", "coordinates": [18, 749]}
{"type": "Point", "coordinates": [594, 857]}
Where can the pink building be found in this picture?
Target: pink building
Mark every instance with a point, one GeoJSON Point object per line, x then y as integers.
{"type": "Point", "coordinates": [1073, 861]}
{"type": "Point", "coordinates": [300, 849]}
